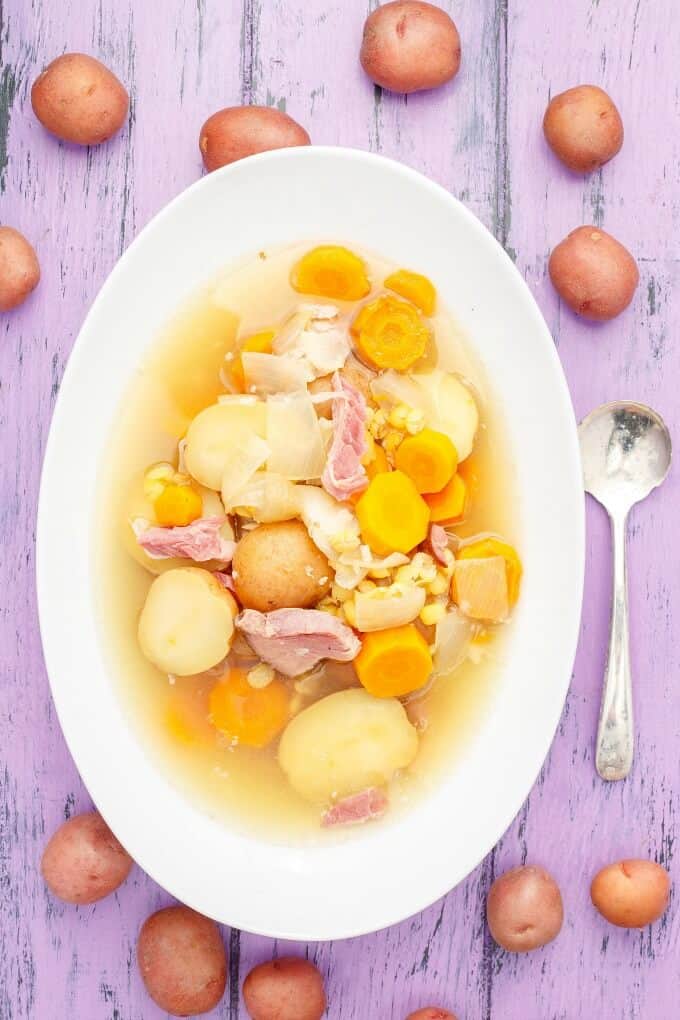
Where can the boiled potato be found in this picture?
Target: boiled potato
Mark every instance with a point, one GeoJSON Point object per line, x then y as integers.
{"type": "Point", "coordinates": [182, 961]}
{"type": "Point", "coordinates": [240, 131]}
{"type": "Point", "coordinates": [214, 435]}
{"type": "Point", "coordinates": [139, 506]}
{"type": "Point", "coordinates": [277, 566]}
{"type": "Point", "coordinates": [583, 128]}
{"type": "Point", "coordinates": [431, 1013]}
{"type": "Point", "coordinates": [19, 268]}
{"type": "Point", "coordinates": [83, 861]}
{"type": "Point", "coordinates": [631, 894]}
{"type": "Point", "coordinates": [524, 909]}
{"type": "Point", "coordinates": [187, 623]}
{"type": "Point", "coordinates": [79, 100]}
{"type": "Point", "coordinates": [346, 743]}
{"type": "Point", "coordinates": [409, 45]}
{"type": "Point", "coordinates": [452, 409]}
{"type": "Point", "coordinates": [593, 273]}
{"type": "Point", "coordinates": [285, 989]}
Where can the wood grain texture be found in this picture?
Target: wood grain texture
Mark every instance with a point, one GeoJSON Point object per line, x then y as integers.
{"type": "Point", "coordinates": [480, 137]}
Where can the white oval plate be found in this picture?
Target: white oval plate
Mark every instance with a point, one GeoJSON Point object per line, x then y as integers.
{"type": "Point", "coordinates": [368, 881]}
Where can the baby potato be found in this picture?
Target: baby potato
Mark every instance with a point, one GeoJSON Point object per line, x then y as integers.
{"type": "Point", "coordinates": [583, 128]}
{"type": "Point", "coordinates": [631, 894]}
{"type": "Point", "coordinates": [213, 437]}
{"type": "Point", "coordinates": [285, 989]}
{"type": "Point", "coordinates": [345, 743]}
{"type": "Point", "coordinates": [593, 273]}
{"type": "Point", "coordinates": [409, 45]}
{"type": "Point", "coordinates": [19, 268]}
{"type": "Point", "coordinates": [182, 961]}
{"type": "Point", "coordinates": [431, 1013]}
{"type": "Point", "coordinates": [187, 623]}
{"type": "Point", "coordinates": [79, 100]}
{"type": "Point", "coordinates": [240, 131]}
{"type": "Point", "coordinates": [524, 909]}
{"type": "Point", "coordinates": [277, 566]}
{"type": "Point", "coordinates": [83, 861]}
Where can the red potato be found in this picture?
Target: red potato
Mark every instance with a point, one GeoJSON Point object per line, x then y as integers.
{"type": "Point", "coordinates": [240, 131]}
{"type": "Point", "coordinates": [631, 894]}
{"type": "Point", "coordinates": [409, 46]}
{"type": "Point", "coordinates": [79, 100]}
{"type": "Point", "coordinates": [83, 861]}
{"type": "Point", "coordinates": [524, 909]}
{"type": "Point", "coordinates": [593, 273]}
{"type": "Point", "coordinates": [19, 268]}
{"type": "Point", "coordinates": [583, 128]}
{"type": "Point", "coordinates": [285, 989]}
{"type": "Point", "coordinates": [431, 1013]}
{"type": "Point", "coordinates": [182, 961]}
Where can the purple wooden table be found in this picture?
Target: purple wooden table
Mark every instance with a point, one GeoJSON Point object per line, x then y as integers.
{"type": "Point", "coordinates": [481, 138]}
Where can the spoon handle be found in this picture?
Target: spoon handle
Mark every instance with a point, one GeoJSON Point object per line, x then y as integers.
{"type": "Point", "coordinates": [615, 737]}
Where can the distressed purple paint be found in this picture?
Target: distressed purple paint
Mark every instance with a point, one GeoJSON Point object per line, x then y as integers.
{"type": "Point", "coordinates": [479, 136]}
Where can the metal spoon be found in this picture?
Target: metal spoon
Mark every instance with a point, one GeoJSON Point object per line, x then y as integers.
{"type": "Point", "coordinates": [626, 452]}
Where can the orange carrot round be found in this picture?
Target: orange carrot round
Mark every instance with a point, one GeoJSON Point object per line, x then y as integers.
{"type": "Point", "coordinates": [448, 506]}
{"type": "Point", "coordinates": [177, 506]}
{"type": "Point", "coordinates": [415, 288]}
{"type": "Point", "coordinates": [248, 715]}
{"type": "Point", "coordinates": [390, 333]}
{"type": "Point", "coordinates": [392, 514]}
{"type": "Point", "coordinates": [394, 662]}
{"type": "Point", "coordinates": [429, 459]}
{"type": "Point", "coordinates": [331, 271]}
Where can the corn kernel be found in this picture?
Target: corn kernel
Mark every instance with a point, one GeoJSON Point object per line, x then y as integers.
{"type": "Point", "coordinates": [439, 586]}
{"type": "Point", "coordinates": [377, 424]}
{"type": "Point", "coordinates": [398, 416]}
{"type": "Point", "coordinates": [260, 676]}
{"type": "Point", "coordinates": [415, 421]}
{"type": "Point", "coordinates": [345, 541]}
{"type": "Point", "coordinates": [392, 441]}
{"type": "Point", "coordinates": [432, 613]}
{"type": "Point", "coordinates": [365, 586]}
{"type": "Point", "coordinates": [380, 574]}
{"type": "Point", "coordinates": [339, 593]}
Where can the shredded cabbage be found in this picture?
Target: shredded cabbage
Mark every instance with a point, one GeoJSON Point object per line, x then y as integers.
{"type": "Point", "coordinates": [452, 641]}
{"type": "Point", "coordinates": [249, 453]}
{"type": "Point", "coordinates": [294, 437]}
{"type": "Point", "coordinates": [331, 525]}
{"type": "Point", "coordinates": [268, 373]}
{"type": "Point", "coordinates": [267, 497]}
{"type": "Point", "coordinates": [392, 606]}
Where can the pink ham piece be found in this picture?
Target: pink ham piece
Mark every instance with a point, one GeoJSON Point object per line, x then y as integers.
{"type": "Point", "coordinates": [200, 541]}
{"type": "Point", "coordinates": [225, 579]}
{"type": "Point", "coordinates": [360, 807]}
{"type": "Point", "coordinates": [439, 542]}
{"type": "Point", "coordinates": [293, 641]}
{"type": "Point", "coordinates": [344, 473]}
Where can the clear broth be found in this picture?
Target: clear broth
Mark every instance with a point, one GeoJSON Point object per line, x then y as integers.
{"type": "Point", "coordinates": [178, 378]}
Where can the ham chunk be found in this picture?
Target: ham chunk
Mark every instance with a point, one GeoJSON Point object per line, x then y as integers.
{"type": "Point", "coordinates": [360, 807]}
{"type": "Point", "coordinates": [439, 542]}
{"type": "Point", "coordinates": [344, 473]}
{"type": "Point", "coordinates": [293, 641]}
{"type": "Point", "coordinates": [200, 541]}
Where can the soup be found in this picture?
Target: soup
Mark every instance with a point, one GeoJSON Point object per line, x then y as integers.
{"type": "Point", "coordinates": [306, 558]}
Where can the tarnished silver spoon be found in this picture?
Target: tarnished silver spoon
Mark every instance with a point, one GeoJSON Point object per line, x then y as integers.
{"type": "Point", "coordinates": [626, 452]}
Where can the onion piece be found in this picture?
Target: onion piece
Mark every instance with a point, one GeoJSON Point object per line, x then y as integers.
{"type": "Point", "coordinates": [267, 497]}
{"type": "Point", "coordinates": [268, 373]}
{"type": "Point", "coordinates": [250, 453]}
{"type": "Point", "coordinates": [452, 640]}
{"type": "Point", "coordinates": [392, 606]}
{"type": "Point", "coordinates": [352, 567]}
{"type": "Point", "coordinates": [329, 523]}
{"type": "Point", "coordinates": [294, 437]}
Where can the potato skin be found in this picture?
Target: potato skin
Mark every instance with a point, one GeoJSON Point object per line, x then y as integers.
{"type": "Point", "coordinates": [593, 273]}
{"type": "Point", "coordinates": [277, 566]}
{"type": "Point", "coordinates": [83, 861]}
{"type": "Point", "coordinates": [632, 893]}
{"type": "Point", "coordinates": [182, 961]}
{"type": "Point", "coordinates": [79, 100]}
{"type": "Point", "coordinates": [19, 268]}
{"type": "Point", "coordinates": [409, 46]}
{"type": "Point", "coordinates": [240, 131]}
{"type": "Point", "coordinates": [431, 1013]}
{"type": "Point", "coordinates": [583, 128]}
{"type": "Point", "coordinates": [285, 989]}
{"type": "Point", "coordinates": [524, 909]}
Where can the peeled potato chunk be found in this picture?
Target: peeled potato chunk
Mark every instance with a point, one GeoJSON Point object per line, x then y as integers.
{"type": "Point", "coordinates": [214, 437]}
{"type": "Point", "coordinates": [187, 623]}
{"type": "Point", "coordinates": [345, 743]}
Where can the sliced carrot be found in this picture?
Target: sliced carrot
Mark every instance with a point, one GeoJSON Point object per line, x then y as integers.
{"type": "Point", "coordinates": [448, 506]}
{"type": "Point", "coordinates": [258, 343]}
{"type": "Point", "coordinates": [480, 589]}
{"type": "Point", "coordinates": [429, 459]}
{"type": "Point", "coordinates": [379, 464]}
{"type": "Point", "coordinates": [248, 715]}
{"type": "Point", "coordinates": [177, 506]}
{"type": "Point", "coordinates": [394, 662]}
{"type": "Point", "coordinates": [486, 547]}
{"type": "Point", "coordinates": [331, 271]}
{"type": "Point", "coordinates": [392, 514]}
{"type": "Point", "coordinates": [415, 288]}
{"type": "Point", "coordinates": [390, 333]}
